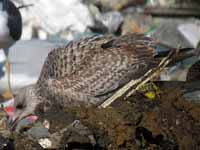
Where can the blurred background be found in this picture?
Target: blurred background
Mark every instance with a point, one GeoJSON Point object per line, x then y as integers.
{"type": "Point", "coordinates": [48, 24]}
{"type": "Point", "coordinates": [63, 20]}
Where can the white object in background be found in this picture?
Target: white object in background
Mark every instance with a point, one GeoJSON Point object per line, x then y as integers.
{"type": "Point", "coordinates": [45, 143]}
{"type": "Point", "coordinates": [54, 16]}
{"type": "Point", "coordinates": [191, 31]}
{"type": "Point", "coordinates": [2, 56]}
{"type": "Point", "coordinates": [112, 20]}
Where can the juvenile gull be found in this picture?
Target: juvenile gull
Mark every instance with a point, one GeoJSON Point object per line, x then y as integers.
{"type": "Point", "coordinates": [89, 71]}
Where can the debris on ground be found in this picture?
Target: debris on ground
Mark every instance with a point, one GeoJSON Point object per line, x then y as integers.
{"type": "Point", "coordinates": [133, 124]}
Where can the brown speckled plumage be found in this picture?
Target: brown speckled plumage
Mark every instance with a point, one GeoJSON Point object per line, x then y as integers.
{"type": "Point", "coordinates": [89, 71]}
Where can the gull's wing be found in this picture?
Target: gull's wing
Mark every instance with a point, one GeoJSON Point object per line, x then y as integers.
{"type": "Point", "coordinates": [107, 65]}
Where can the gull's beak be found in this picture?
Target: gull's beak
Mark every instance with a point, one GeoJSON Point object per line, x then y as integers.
{"type": "Point", "coordinates": [13, 121]}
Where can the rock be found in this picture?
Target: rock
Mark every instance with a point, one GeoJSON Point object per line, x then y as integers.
{"type": "Point", "coordinates": [72, 136]}
{"type": "Point", "coordinates": [38, 132]}
{"type": "Point", "coordinates": [78, 136]}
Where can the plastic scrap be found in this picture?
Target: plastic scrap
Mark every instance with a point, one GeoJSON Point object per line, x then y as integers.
{"type": "Point", "coordinates": [9, 109]}
{"type": "Point", "coordinates": [191, 31]}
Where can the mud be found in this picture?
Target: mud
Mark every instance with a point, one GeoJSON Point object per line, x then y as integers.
{"type": "Point", "coordinates": [168, 123]}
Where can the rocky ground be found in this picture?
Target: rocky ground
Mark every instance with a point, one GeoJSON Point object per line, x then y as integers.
{"type": "Point", "coordinates": [169, 122]}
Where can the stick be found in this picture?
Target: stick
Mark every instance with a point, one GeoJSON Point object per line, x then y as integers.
{"type": "Point", "coordinates": [154, 72]}
{"type": "Point", "coordinates": [139, 82]}
{"type": "Point", "coordinates": [25, 6]}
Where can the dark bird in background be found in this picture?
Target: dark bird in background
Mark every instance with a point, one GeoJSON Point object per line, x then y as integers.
{"type": "Point", "coordinates": [10, 32]}
{"type": "Point", "coordinates": [89, 71]}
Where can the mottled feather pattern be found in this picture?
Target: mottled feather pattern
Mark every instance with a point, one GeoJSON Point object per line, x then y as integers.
{"type": "Point", "coordinates": [91, 69]}
{"type": "Point", "coordinates": [64, 60]}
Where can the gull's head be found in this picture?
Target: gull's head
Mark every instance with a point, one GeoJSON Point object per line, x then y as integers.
{"type": "Point", "coordinates": [24, 105]}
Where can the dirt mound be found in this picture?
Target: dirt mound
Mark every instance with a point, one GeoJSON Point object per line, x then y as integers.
{"type": "Point", "coordinates": [170, 122]}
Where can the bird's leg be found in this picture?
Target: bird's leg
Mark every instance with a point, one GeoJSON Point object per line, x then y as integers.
{"type": "Point", "coordinates": [8, 93]}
